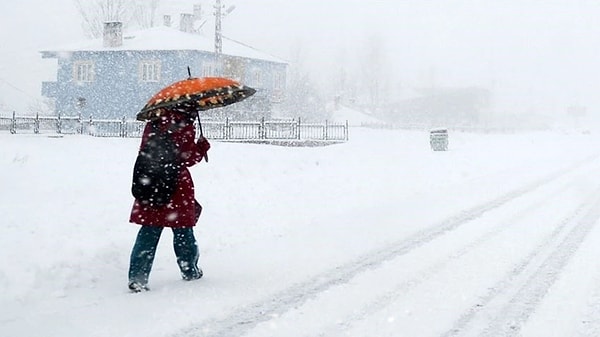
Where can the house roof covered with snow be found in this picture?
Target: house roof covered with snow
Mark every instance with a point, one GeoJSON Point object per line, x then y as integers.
{"type": "Point", "coordinates": [167, 38]}
{"type": "Point", "coordinates": [354, 117]}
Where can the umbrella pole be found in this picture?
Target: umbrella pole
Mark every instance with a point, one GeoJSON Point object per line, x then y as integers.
{"type": "Point", "coordinates": [202, 135]}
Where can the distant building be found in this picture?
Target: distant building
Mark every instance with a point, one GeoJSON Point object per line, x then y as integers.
{"type": "Point", "coordinates": [116, 75]}
{"type": "Point", "coordinates": [449, 107]}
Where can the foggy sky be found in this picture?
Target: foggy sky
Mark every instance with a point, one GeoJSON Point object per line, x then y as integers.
{"type": "Point", "coordinates": [536, 55]}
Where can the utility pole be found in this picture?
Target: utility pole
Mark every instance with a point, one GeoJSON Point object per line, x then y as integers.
{"type": "Point", "coordinates": [219, 14]}
{"type": "Point", "coordinates": [218, 31]}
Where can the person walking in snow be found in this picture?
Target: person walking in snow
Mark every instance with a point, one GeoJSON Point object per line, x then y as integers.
{"type": "Point", "coordinates": [180, 213]}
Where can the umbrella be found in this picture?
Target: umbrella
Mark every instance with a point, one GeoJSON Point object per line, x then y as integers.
{"type": "Point", "coordinates": [195, 94]}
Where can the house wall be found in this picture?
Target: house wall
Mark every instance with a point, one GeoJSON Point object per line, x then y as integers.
{"type": "Point", "coordinates": [117, 89]}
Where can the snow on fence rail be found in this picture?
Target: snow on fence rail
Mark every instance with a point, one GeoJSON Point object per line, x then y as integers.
{"type": "Point", "coordinates": [263, 130]}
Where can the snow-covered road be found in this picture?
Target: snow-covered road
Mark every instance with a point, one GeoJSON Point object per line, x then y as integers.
{"type": "Point", "coordinates": [377, 237]}
{"type": "Point", "coordinates": [448, 279]}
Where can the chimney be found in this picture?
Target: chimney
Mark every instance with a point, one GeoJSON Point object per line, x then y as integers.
{"type": "Point", "coordinates": [167, 20]}
{"type": "Point", "coordinates": [113, 34]}
{"type": "Point", "coordinates": [186, 24]}
{"type": "Point", "coordinates": [197, 12]}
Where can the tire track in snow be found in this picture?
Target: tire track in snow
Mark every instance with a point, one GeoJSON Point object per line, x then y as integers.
{"type": "Point", "coordinates": [537, 279]}
{"type": "Point", "coordinates": [524, 303]}
{"type": "Point", "coordinates": [246, 318]}
{"type": "Point", "coordinates": [589, 326]}
{"type": "Point", "coordinates": [392, 295]}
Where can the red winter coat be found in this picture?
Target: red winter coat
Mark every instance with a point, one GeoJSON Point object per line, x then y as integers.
{"type": "Point", "coordinates": [183, 209]}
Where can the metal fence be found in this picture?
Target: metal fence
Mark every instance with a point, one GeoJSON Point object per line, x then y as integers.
{"type": "Point", "coordinates": [263, 130]}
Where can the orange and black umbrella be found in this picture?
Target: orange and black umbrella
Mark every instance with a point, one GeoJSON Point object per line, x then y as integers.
{"type": "Point", "coordinates": [195, 94]}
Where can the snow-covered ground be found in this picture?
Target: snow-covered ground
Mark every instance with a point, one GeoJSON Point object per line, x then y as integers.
{"type": "Point", "coordinates": [379, 236]}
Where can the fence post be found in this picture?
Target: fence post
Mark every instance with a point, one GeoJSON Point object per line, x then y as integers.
{"type": "Point", "coordinates": [227, 131]}
{"type": "Point", "coordinates": [36, 123]}
{"type": "Point", "coordinates": [346, 130]}
{"type": "Point", "coordinates": [299, 124]}
{"type": "Point", "coordinates": [261, 129]}
{"type": "Point", "coordinates": [58, 124]}
{"type": "Point", "coordinates": [80, 120]}
{"type": "Point", "coordinates": [13, 124]}
{"type": "Point", "coordinates": [123, 132]}
{"type": "Point", "coordinates": [91, 127]}
{"type": "Point", "coordinates": [326, 130]}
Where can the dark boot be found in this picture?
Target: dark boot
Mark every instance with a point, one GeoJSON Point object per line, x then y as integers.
{"type": "Point", "coordinates": [186, 250]}
{"type": "Point", "coordinates": [136, 287]}
{"type": "Point", "coordinates": [142, 257]}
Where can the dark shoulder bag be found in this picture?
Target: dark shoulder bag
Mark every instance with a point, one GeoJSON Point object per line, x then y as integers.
{"type": "Point", "coordinates": [156, 169]}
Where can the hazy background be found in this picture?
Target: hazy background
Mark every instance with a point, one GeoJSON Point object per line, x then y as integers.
{"type": "Point", "coordinates": [536, 57]}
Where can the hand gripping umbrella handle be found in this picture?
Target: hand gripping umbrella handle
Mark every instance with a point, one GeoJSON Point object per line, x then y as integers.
{"type": "Point", "coordinates": [202, 135]}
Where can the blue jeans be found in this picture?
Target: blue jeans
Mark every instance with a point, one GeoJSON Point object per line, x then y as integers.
{"type": "Point", "coordinates": [144, 249]}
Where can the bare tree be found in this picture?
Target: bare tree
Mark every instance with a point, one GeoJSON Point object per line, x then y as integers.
{"type": "Point", "coordinates": [303, 99]}
{"type": "Point", "coordinates": [44, 106]}
{"type": "Point", "coordinates": [375, 71]}
{"type": "Point", "coordinates": [95, 12]}
{"type": "Point", "coordinates": [144, 12]}
{"type": "Point", "coordinates": [345, 77]}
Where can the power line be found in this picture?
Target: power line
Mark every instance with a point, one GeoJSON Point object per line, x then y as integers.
{"type": "Point", "coordinates": [16, 88]}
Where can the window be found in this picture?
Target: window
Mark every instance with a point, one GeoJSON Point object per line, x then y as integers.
{"type": "Point", "coordinates": [83, 71]}
{"type": "Point", "coordinates": [277, 93]}
{"type": "Point", "coordinates": [209, 69]}
{"type": "Point", "coordinates": [150, 71]}
{"type": "Point", "coordinates": [256, 77]}
{"type": "Point", "coordinates": [278, 81]}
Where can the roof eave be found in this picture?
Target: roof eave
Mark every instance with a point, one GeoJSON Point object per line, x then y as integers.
{"type": "Point", "coordinates": [57, 53]}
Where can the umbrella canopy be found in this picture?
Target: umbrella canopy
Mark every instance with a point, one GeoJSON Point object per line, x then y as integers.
{"type": "Point", "coordinates": [195, 94]}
